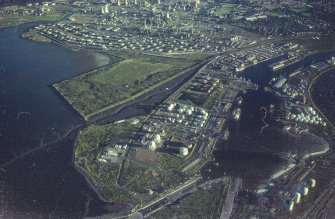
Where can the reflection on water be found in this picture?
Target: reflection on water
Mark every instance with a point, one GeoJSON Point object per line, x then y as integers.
{"type": "Point", "coordinates": [254, 155]}
{"type": "Point", "coordinates": [43, 183]}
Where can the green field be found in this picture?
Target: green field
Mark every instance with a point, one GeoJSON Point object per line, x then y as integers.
{"type": "Point", "coordinates": [327, 44]}
{"type": "Point", "coordinates": [203, 203]}
{"type": "Point", "coordinates": [200, 99]}
{"type": "Point", "coordinates": [225, 9]}
{"type": "Point", "coordinates": [88, 148]}
{"type": "Point", "coordinates": [118, 180]}
{"type": "Point", "coordinates": [35, 36]}
{"type": "Point", "coordinates": [90, 138]}
{"type": "Point", "coordinates": [18, 19]}
{"type": "Point", "coordinates": [136, 178]}
{"type": "Point", "coordinates": [301, 11]}
{"type": "Point", "coordinates": [118, 83]}
{"type": "Point", "coordinates": [274, 14]}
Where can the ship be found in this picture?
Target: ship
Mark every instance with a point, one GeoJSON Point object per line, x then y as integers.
{"type": "Point", "coordinates": [237, 114]}
{"type": "Point", "coordinates": [226, 135]}
{"type": "Point", "coordinates": [239, 100]}
{"type": "Point", "coordinates": [240, 68]}
{"type": "Point", "coordinates": [292, 58]}
{"type": "Point", "coordinates": [278, 65]}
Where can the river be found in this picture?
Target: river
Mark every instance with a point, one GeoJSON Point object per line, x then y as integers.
{"type": "Point", "coordinates": [250, 153]}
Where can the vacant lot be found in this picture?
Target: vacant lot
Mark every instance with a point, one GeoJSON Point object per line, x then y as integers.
{"type": "Point", "coordinates": [301, 11]}
{"type": "Point", "coordinates": [225, 9]}
{"type": "Point", "coordinates": [203, 203]}
{"type": "Point", "coordinates": [124, 80]}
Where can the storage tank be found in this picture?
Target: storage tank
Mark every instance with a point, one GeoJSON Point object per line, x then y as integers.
{"type": "Point", "coordinates": [189, 112]}
{"type": "Point", "coordinates": [183, 151]}
{"type": "Point", "coordinates": [170, 107]}
{"type": "Point", "coordinates": [181, 110]}
{"type": "Point", "coordinates": [157, 138]}
{"type": "Point", "coordinates": [297, 197]}
{"type": "Point", "coordinates": [290, 204]}
{"type": "Point", "coordinates": [152, 145]}
{"type": "Point", "coordinates": [305, 190]}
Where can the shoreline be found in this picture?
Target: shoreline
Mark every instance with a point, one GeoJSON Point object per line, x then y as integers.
{"type": "Point", "coordinates": [310, 89]}
{"type": "Point", "coordinates": [325, 151]}
{"type": "Point", "coordinates": [141, 96]}
{"type": "Point", "coordinates": [313, 154]}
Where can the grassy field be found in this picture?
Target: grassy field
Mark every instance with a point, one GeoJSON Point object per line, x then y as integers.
{"type": "Point", "coordinates": [301, 11]}
{"type": "Point", "coordinates": [93, 135]}
{"type": "Point", "coordinates": [118, 180]}
{"type": "Point", "coordinates": [88, 148]}
{"type": "Point", "coordinates": [200, 99]}
{"type": "Point", "coordinates": [202, 203]}
{"type": "Point", "coordinates": [225, 9]}
{"type": "Point", "coordinates": [35, 36]}
{"type": "Point", "coordinates": [167, 161]}
{"type": "Point", "coordinates": [15, 20]}
{"type": "Point", "coordinates": [118, 83]}
{"type": "Point", "coordinates": [136, 177]}
{"type": "Point", "coordinates": [274, 14]}
{"type": "Point", "coordinates": [316, 44]}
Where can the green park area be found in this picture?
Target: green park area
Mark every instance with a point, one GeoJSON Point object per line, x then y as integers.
{"type": "Point", "coordinates": [225, 9]}
{"type": "Point", "coordinates": [205, 202]}
{"type": "Point", "coordinates": [121, 81]}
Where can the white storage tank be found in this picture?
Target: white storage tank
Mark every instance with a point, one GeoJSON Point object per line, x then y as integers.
{"type": "Point", "coordinates": [305, 190]}
{"type": "Point", "coordinates": [157, 138]}
{"type": "Point", "coordinates": [152, 145]}
{"type": "Point", "coordinates": [189, 112]}
{"type": "Point", "coordinates": [297, 197]}
{"type": "Point", "coordinates": [290, 205]}
{"type": "Point", "coordinates": [170, 107]}
{"type": "Point", "coordinates": [183, 151]}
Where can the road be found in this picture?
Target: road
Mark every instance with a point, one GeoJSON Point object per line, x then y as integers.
{"type": "Point", "coordinates": [229, 202]}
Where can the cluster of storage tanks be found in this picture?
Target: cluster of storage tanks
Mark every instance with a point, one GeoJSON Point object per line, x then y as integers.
{"type": "Point", "coordinates": [187, 115]}
{"type": "Point", "coordinates": [301, 191]}
{"type": "Point", "coordinates": [306, 115]}
{"type": "Point", "coordinates": [151, 141]}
